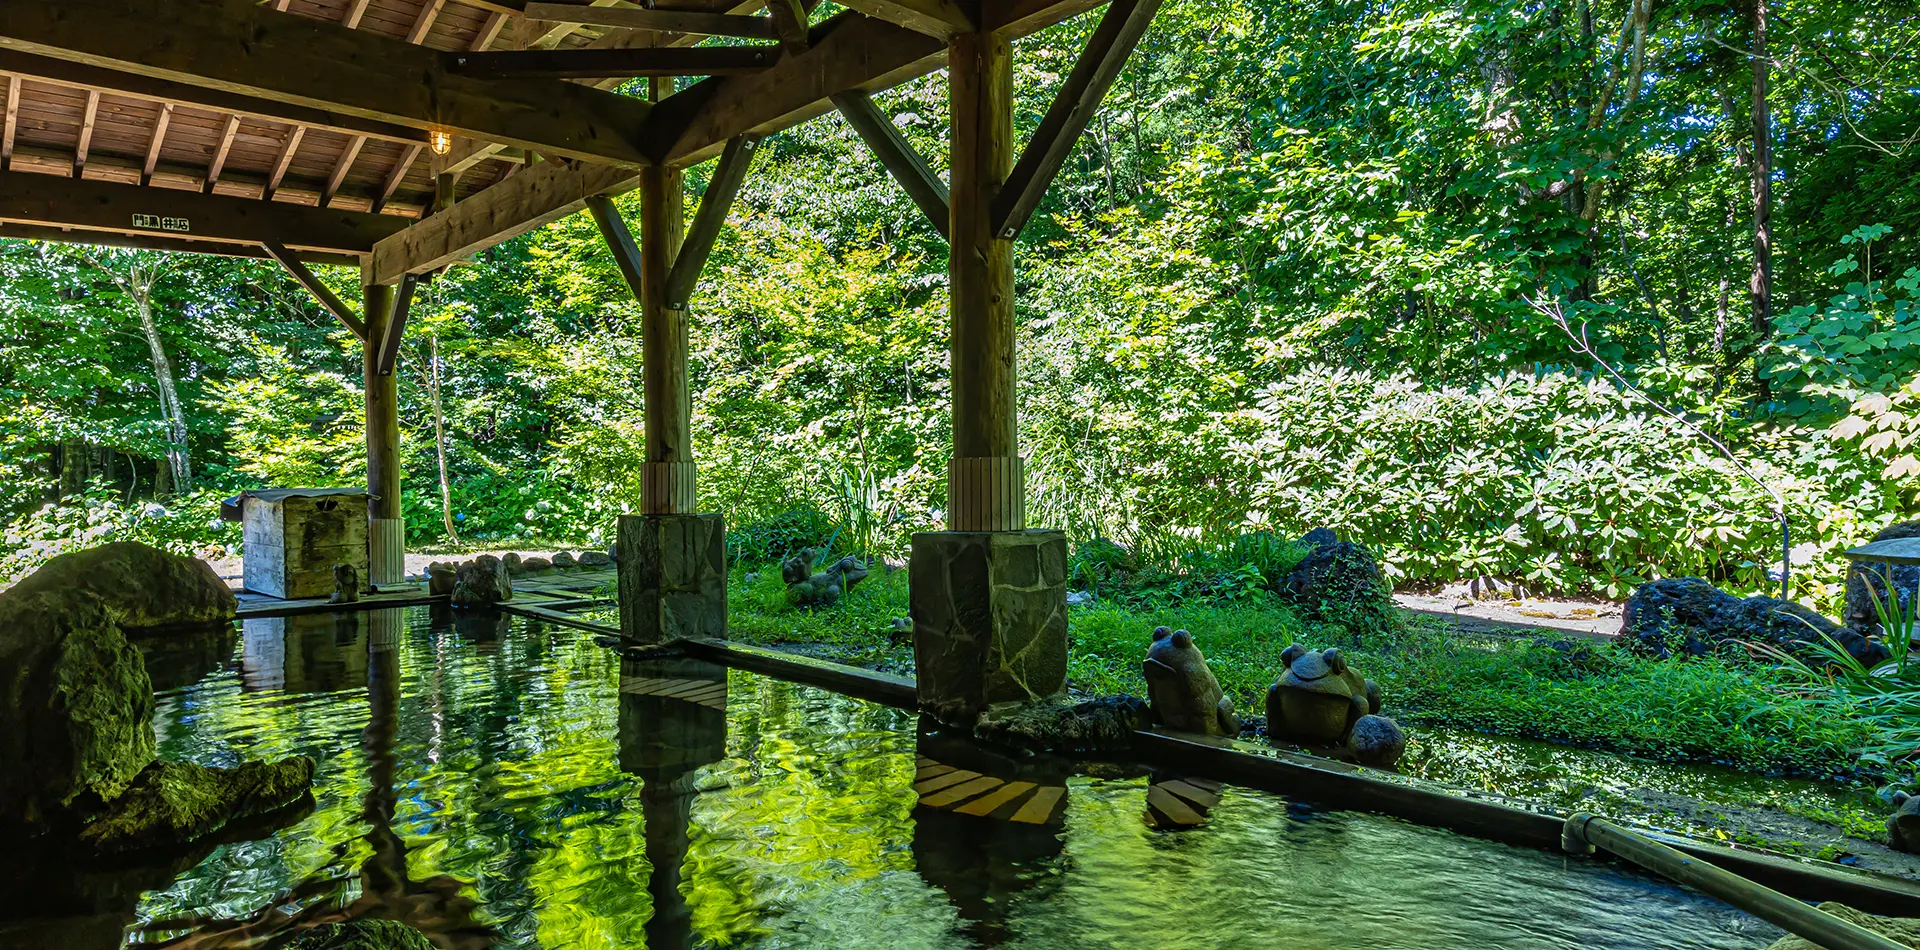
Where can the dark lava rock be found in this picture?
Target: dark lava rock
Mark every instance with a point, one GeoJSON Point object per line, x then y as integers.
{"type": "Point", "coordinates": [76, 708]}
{"type": "Point", "coordinates": [514, 565]}
{"type": "Point", "coordinates": [1901, 581]}
{"type": "Point", "coordinates": [1106, 724]}
{"type": "Point", "coordinates": [172, 803]}
{"type": "Point", "coordinates": [594, 559]}
{"type": "Point", "coordinates": [1339, 582]}
{"type": "Point", "coordinates": [141, 587]}
{"type": "Point", "coordinates": [1688, 616]}
{"type": "Point", "coordinates": [1318, 537]}
{"type": "Point", "coordinates": [563, 560]}
{"type": "Point", "coordinates": [1182, 690]}
{"type": "Point", "coordinates": [1377, 741]}
{"type": "Point", "coordinates": [537, 565]}
{"type": "Point", "coordinates": [1903, 829]}
{"type": "Point", "coordinates": [482, 582]}
{"type": "Point", "coordinates": [364, 934]}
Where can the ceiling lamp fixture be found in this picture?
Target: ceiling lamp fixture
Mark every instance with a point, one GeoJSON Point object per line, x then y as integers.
{"type": "Point", "coordinates": [441, 140]}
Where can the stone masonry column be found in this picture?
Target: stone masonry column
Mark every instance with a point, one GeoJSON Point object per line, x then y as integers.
{"type": "Point", "coordinates": [386, 532]}
{"type": "Point", "coordinates": [673, 568]}
{"type": "Point", "coordinates": [988, 596]}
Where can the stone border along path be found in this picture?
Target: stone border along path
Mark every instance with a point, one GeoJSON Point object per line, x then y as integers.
{"type": "Point", "coordinates": [548, 594]}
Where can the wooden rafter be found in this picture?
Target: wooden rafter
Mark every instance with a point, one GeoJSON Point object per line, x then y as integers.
{"type": "Point", "coordinates": [536, 195]}
{"type": "Point", "coordinates": [160, 124]}
{"type": "Point", "coordinates": [155, 242]}
{"type": "Point", "coordinates": [50, 200]}
{"type": "Point", "coordinates": [238, 47]}
{"type": "Point", "coordinates": [347, 155]}
{"type": "Point", "coordinates": [280, 165]}
{"type": "Point", "coordinates": [936, 18]}
{"type": "Point", "coordinates": [396, 176]}
{"type": "Point", "coordinates": [220, 152]}
{"type": "Point", "coordinates": [707, 222]}
{"type": "Point", "coordinates": [304, 277]}
{"type": "Point", "coordinates": [85, 141]}
{"type": "Point", "coordinates": [663, 21]}
{"type": "Point", "coordinates": [896, 155]}
{"type": "Point", "coordinates": [423, 24]}
{"type": "Point", "coordinates": [622, 63]}
{"type": "Point", "coordinates": [489, 32]}
{"type": "Point", "coordinates": [355, 10]}
{"type": "Point", "coordinates": [12, 122]}
{"type": "Point", "coordinates": [1073, 107]}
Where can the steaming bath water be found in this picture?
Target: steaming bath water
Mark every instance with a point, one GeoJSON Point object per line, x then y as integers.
{"type": "Point", "coordinates": [490, 780]}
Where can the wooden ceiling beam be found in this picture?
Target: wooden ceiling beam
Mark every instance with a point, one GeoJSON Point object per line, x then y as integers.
{"type": "Point", "coordinates": [52, 200]}
{"type": "Point", "coordinates": [355, 10]}
{"type": "Point", "coordinates": [617, 63]}
{"type": "Point", "coordinates": [489, 32]}
{"type": "Point", "coordinates": [940, 19]}
{"type": "Point", "coordinates": [220, 152]}
{"type": "Point", "coordinates": [423, 23]}
{"type": "Point", "coordinates": [12, 122]}
{"type": "Point", "coordinates": [536, 195]}
{"type": "Point", "coordinates": [280, 165]}
{"type": "Point", "coordinates": [85, 140]}
{"type": "Point", "coordinates": [239, 47]}
{"type": "Point", "coordinates": [662, 21]}
{"type": "Point", "coordinates": [154, 242]}
{"type": "Point", "coordinates": [160, 123]}
{"type": "Point", "coordinates": [127, 170]}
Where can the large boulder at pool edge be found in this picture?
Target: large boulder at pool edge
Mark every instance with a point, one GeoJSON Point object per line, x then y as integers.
{"type": "Point", "coordinates": [76, 708]}
{"type": "Point", "coordinates": [141, 587]}
{"type": "Point", "coordinates": [1686, 615]}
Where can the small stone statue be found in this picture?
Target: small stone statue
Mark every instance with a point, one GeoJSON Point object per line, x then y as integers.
{"type": "Point", "coordinates": [346, 584]}
{"type": "Point", "coordinates": [1318, 699]}
{"type": "Point", "coordinates": [1183, 692]}
{"type": "Point", "coordinates": [440, 579]}
{"type": "Point", "coordinates": [822, 589]}
{"type": "Point", "coordinates": [1903, 829]}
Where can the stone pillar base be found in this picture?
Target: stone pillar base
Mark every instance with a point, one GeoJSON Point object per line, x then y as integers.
{"type": "Point", "coordinates": [673, 577]}
{"type": "Point", "coordinates": [989, 619]}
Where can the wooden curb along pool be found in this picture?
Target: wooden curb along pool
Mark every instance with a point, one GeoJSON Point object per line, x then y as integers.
{"type": "Point", "coordinates": [1362, 789]}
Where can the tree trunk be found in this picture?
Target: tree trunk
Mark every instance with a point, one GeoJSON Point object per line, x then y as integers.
{"type": "Point", "coordinates": [170, 412]}
{"type": "Point", "coordinates": [439, 434]}
{"type": "Point", "coordinates": [73, 467]}
{"type": "Point", "coordinates": [1760, 286]}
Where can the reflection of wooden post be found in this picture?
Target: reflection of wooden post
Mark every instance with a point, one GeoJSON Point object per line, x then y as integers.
{"type": "Point", "coordinates": [985, 489]}
{"type": "Point", "coordinates": [667, 479]}
{"type": "Point", "coordinates": [385, 557]}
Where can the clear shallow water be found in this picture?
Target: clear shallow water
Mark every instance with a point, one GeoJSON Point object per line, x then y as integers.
{"type": "Point", "coordinates": [491, 782]}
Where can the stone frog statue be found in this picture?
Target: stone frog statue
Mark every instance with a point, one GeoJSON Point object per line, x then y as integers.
{"type": "Point", "coordinates": [1318, 698]}
{"type": "Point", "coordinates": [1183, 692]}
{"type": "Point", "coordinates": [824, 588]}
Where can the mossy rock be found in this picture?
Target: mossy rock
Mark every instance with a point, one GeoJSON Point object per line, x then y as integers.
{"type": "Point", "coordinates": [1900, 930]}
{"type": "Point", "coordinates": [175, 802]}
{"type": "Point", "coordinates": [1339, 582]}
{"type": "Point", "coordinates": [1106, 724]}
{"type": "Point", "coordinates": [363, 934]}
{"type": "Point", "coordinates": [76, 707]}
{"type": "Point", "coordinates": [142, 588]}
{"type": "Point", "coordinates": [1690, 617]}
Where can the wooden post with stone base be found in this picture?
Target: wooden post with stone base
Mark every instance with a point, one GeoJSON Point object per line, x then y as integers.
{"type": "Point", "coordinates": [673, 563]}
{"type": "Point", "coordinates": [386, 534]}
{"type": "Point", "coordinates": [988, 596]}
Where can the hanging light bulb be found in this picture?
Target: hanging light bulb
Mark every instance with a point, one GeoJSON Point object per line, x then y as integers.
{"type": "Point", "coordinates": [441, 140]}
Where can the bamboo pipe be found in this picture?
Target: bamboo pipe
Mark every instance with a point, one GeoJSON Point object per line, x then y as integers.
{"type": "Point", "coordinates": [1584, 832]}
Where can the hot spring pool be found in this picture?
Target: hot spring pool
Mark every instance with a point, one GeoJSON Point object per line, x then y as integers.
{"type": "Point", "coordinates": [490, 781]}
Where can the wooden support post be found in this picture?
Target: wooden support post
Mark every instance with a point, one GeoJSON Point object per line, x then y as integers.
{"type": "Point", "coordinates": [897, 155]}
{"type": "Point", "coordinates": [985, 484]}
{"type": "Point", "coordinates": [667, 478]}
{"type": "Point", "coordinates": [385, 534]}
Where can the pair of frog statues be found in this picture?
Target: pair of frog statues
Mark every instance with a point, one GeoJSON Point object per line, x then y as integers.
{"type": "Point", "coordinates": [1318, 699]}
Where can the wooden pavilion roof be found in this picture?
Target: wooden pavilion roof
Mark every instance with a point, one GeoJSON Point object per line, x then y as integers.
{"type": "Point", "coordinates": [223, 125]}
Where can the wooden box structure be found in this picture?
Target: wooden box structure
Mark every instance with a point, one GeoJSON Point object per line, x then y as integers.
{"type": "Point", "coordinates": [294, 536]}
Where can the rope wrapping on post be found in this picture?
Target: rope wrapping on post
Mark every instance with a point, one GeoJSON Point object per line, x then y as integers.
{"type": "Point", "coordinates": [1583, 833]}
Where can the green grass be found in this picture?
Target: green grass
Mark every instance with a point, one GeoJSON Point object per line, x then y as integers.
{"type": "Point", "coordinates": [1678, 711]}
